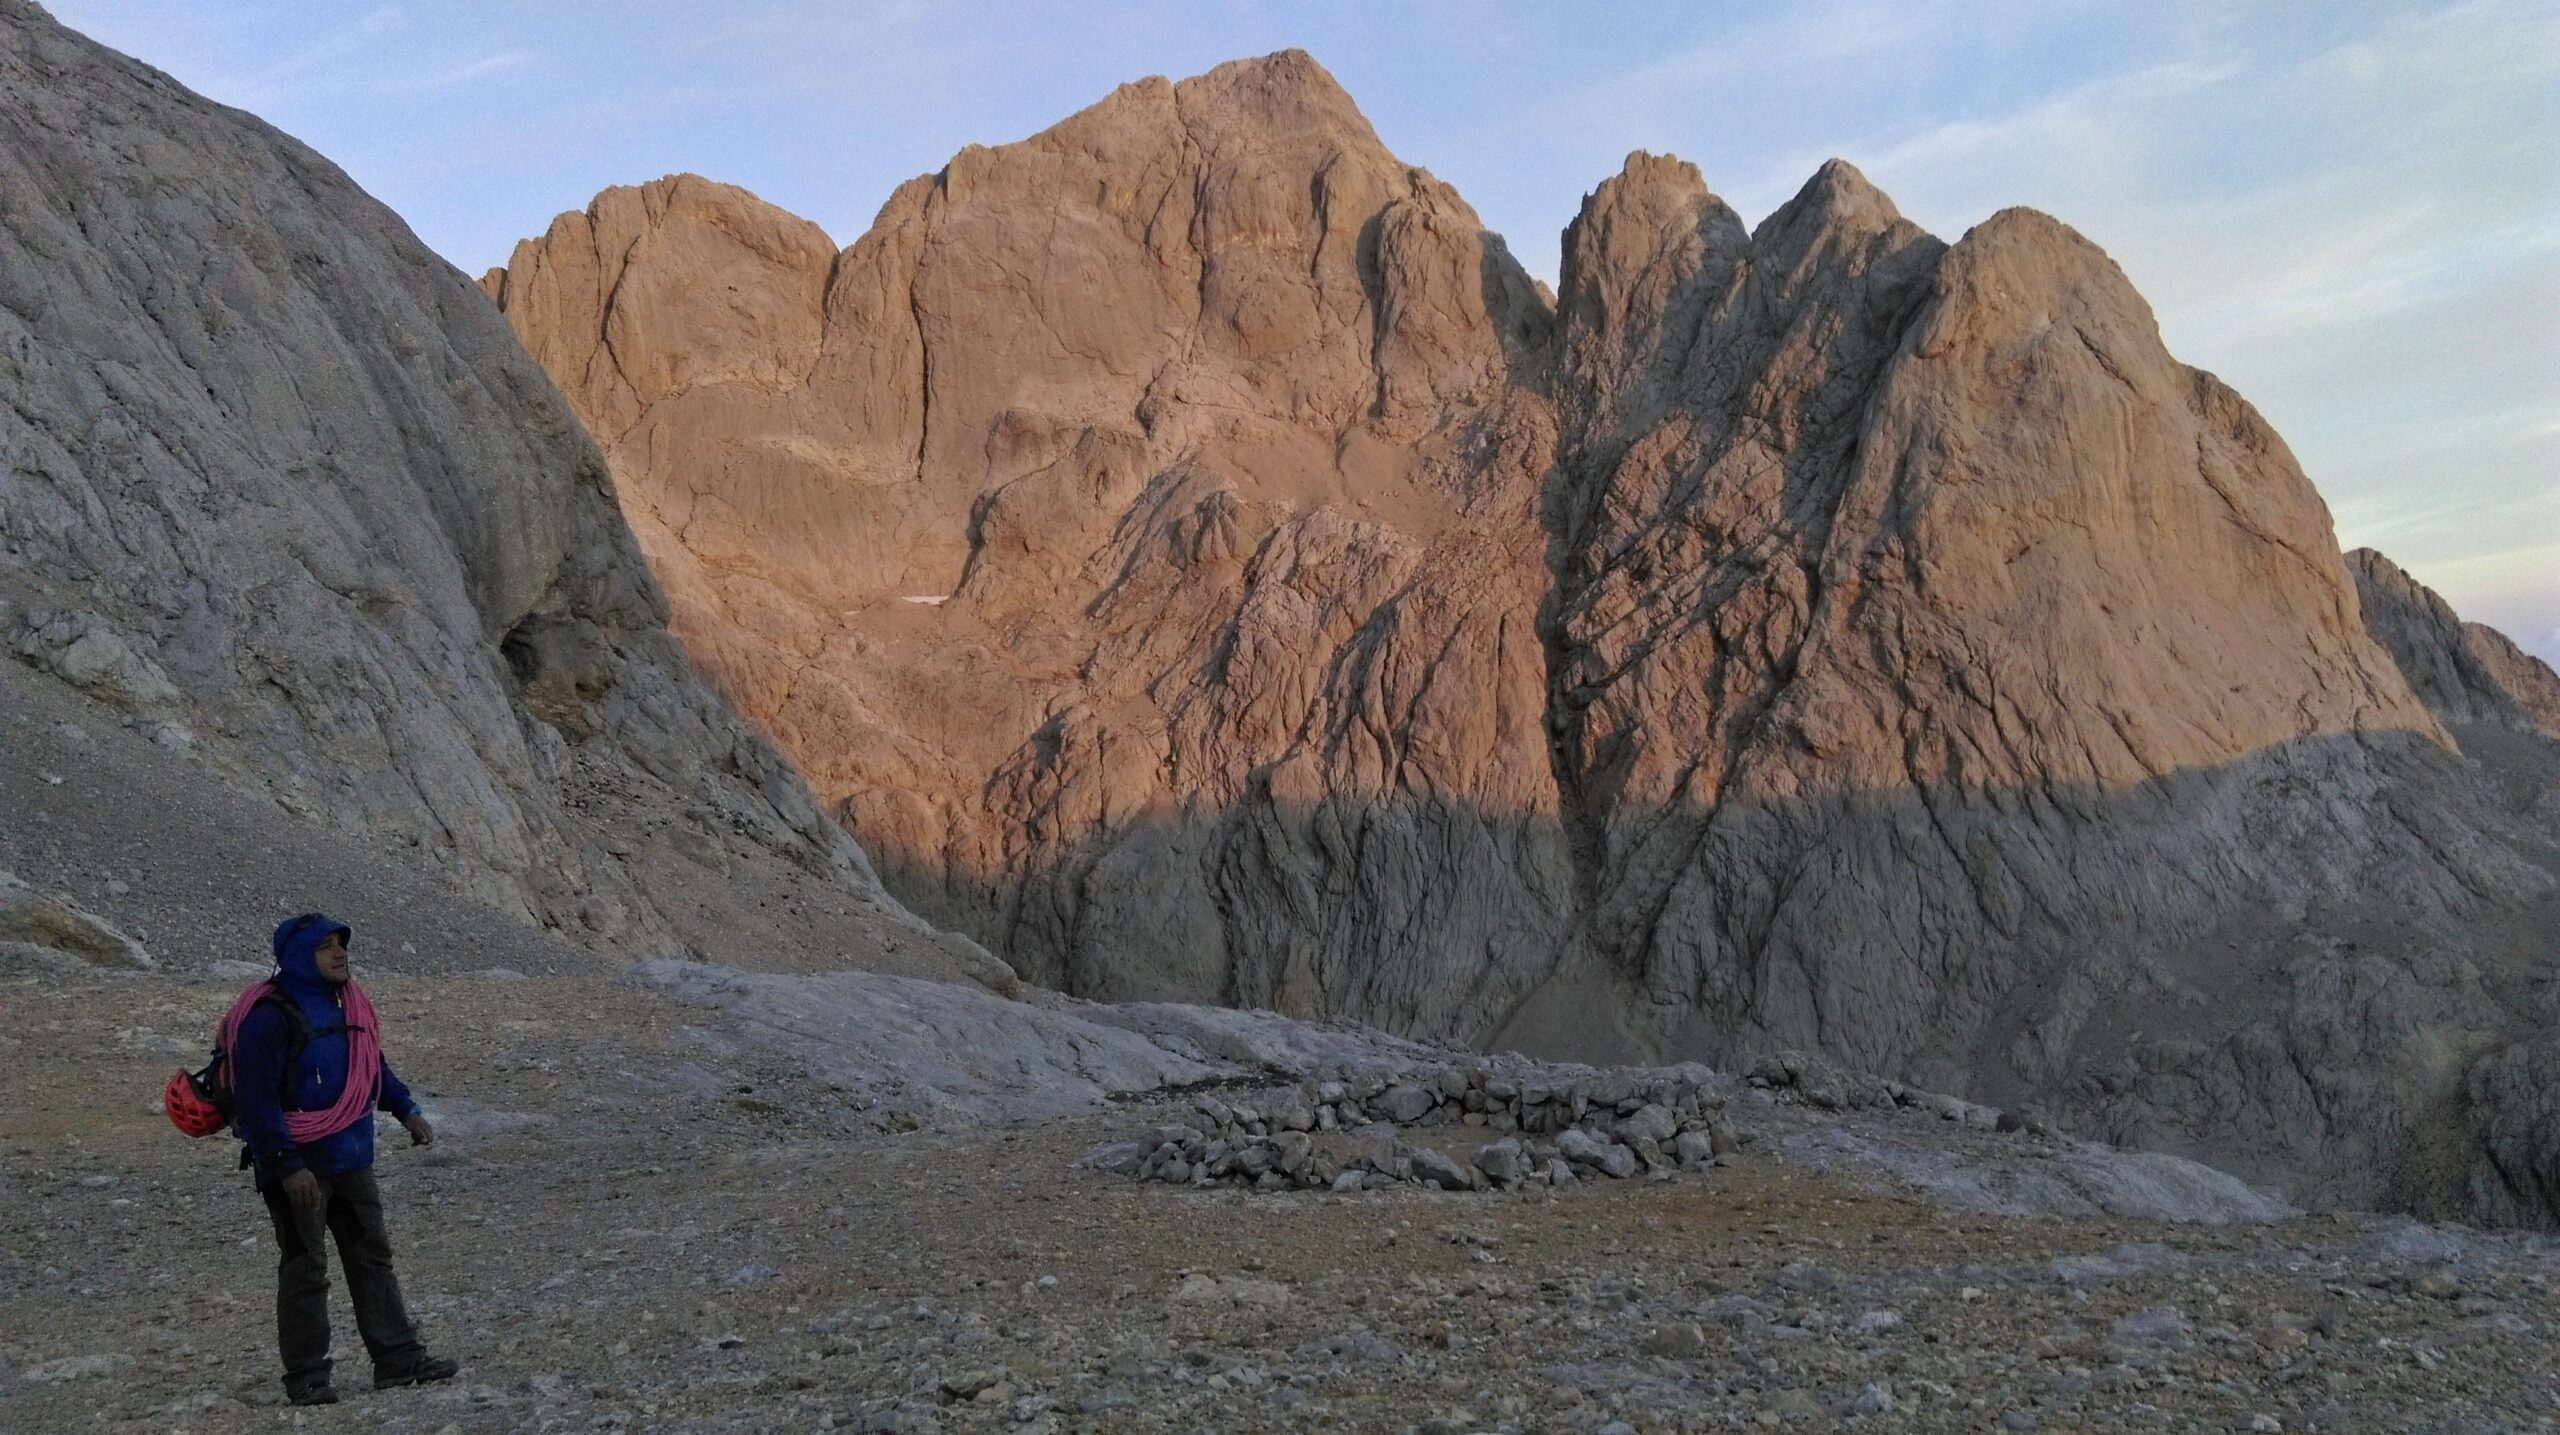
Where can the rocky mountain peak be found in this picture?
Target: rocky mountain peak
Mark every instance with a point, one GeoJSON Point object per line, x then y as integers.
{"type": "Point", "coordinates": [1201, 564]}
{"type": "Point", "coordinates": [1283, 92]}
{"type": "Point", "coordinates": [2466, 673]}
{"type": "Point", "coordinates": [742, 285]}
{"type": "Point", "coordinates": [1836, 201]}
{"type": "Point", "coordinates": [1839, 187]}
{"type": "Point", "coordinates": [1284, 101]}
{"type": "Point", "coordinates": [1648, 228]}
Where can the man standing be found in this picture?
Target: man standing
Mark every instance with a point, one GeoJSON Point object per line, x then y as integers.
{"type": "Point", "coordinates": [307, 1074]}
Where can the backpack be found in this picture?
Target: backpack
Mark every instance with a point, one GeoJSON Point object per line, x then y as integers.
{"type": "Point", "coordinates": [199, 1102]}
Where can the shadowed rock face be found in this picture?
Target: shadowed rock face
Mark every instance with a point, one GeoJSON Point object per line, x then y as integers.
{"type": "Point", "coordinates": [2464, 672]}
{"type": "Point", "coordinates": [1845, 514]}
{"type": "Point", "coordinates": [1202, 565]}
{"type": "Point", "coordinates": [278, 483]}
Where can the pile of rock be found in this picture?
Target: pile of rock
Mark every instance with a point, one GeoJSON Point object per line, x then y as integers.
{"type": "Point", "coordinates": [1607, 1124]}
{"type": "Point", "coordinates": [1821, 1082]}
{"type": "Point", "coordinates": [1505, 1101]}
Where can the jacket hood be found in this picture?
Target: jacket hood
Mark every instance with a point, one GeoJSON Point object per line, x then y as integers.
{"type": "Point", "coordinates": [297, 942]}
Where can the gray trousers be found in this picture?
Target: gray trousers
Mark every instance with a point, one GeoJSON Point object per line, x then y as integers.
{"type": "Point", "coordinates": [350, 1211]}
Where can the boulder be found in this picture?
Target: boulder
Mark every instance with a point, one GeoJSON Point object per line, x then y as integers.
{"type": "Point", "coordinates": [1502, 1162]}
{"type": "Point", "coordinates": [55, 923]}
{"type": "Point", "coordinates": [1405, 1104]}
{"type": "Point", "coordinates": [1650, 1122]}
{"type": "Point", "coordinates": [1437, 1168]}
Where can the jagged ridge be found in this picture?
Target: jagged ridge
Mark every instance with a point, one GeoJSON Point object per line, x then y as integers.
{"type": "Point", "coordinates": [1817, 635]}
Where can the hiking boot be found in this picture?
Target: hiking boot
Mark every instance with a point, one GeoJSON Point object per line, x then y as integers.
{"type": "Point", "coordinates": [321, 1394]}
{"type": "Point", "coordinates": [425, 1370]}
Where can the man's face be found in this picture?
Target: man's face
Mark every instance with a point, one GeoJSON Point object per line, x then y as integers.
{"type": "Point", "coordinates": [331, 959]}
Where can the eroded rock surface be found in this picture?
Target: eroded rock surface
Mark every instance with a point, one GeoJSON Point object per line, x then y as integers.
{"type": "Point", "coordinates": [2464, 672]}
{"type": "Point", "coordinates": [54, 928]}
{"type": "Point", "coordinates": [1135, 534]}
{"type": "Point", "coordinates": [279, 488]}
{"type": "Point", "coordinates": [1951, 681]}
{"type": "Point", "coordinates": [1205, 568]}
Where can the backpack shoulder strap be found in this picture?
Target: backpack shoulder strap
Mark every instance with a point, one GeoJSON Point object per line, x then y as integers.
{"type": "Point", "coordinates": [297, 1027]}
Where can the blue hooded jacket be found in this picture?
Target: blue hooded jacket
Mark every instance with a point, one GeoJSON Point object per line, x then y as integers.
{"type": "Point", "coordinates": [263, 1089]}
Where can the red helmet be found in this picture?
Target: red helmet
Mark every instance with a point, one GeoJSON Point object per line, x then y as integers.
{"type": "Point", "coordinates": [190, 1108]}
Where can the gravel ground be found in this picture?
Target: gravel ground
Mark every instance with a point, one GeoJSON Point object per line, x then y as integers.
{"type": "Point", "coordinates": [631, 1224]}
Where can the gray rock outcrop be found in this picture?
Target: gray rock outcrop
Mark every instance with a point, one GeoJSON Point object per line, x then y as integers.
{"type": "Point", "coordinates": [1951, 681]}
{"type": "Point", "coordinates": [60, 929]}
{"type": "Point", "coordinates": [2464, 672]}
{"type": "Point", "coordinates": [2511, 1098]}
{"type": "Point", "coordinates": [931, 1049]}
{"type": "Point", "coordinates": [274, 479]}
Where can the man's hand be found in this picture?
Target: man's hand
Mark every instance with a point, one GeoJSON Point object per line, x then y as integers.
{"type": "Point", "coordinates": [420, 1132]}
{"type": "Point", "coordinates": [303, 1190]}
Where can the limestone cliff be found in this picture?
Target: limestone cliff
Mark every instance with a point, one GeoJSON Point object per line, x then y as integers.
{"type": "Point", "coordinates": [1201, 564]}
{"type": "Point", "coordinates": [1135, 532]}
{"type": "Point", "coordinates": [275, 482]}
{"type": "Point", "coordinates": [1947, 678]}
{"type": "Point", "coordinates": [2465, 672]}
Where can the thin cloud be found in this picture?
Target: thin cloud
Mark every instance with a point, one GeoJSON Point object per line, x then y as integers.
{"type": "Point", "coordinates": [285, 77]}
{"type": "Point", "coordinates": [1810, 37]}
{"type": "Point", "coordinates": [485, 66]}
{"type": "Point", "coordinates": [2056, 125]}
{"type": "Point", "coordinates": [1650, 104]}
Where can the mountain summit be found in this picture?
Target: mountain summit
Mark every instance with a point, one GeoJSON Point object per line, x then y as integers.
{"type": "Point", "coordinates": [1805, 640]}
{"type": "Point", "coordinates": [1198, 562]}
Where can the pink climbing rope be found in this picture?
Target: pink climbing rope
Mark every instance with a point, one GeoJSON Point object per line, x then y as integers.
{"type": "Point", "coordinates": [364, 1062]}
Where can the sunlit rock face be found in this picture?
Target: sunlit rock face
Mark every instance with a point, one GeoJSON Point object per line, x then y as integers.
{"type": "Point", "coordinates": [1136, 534]}
{"type": "Point", "coordinates": [1197, 562]}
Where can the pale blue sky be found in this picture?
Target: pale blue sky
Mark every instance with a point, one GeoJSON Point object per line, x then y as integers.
{"type": "Point", "coordinates": [2349, 211]}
